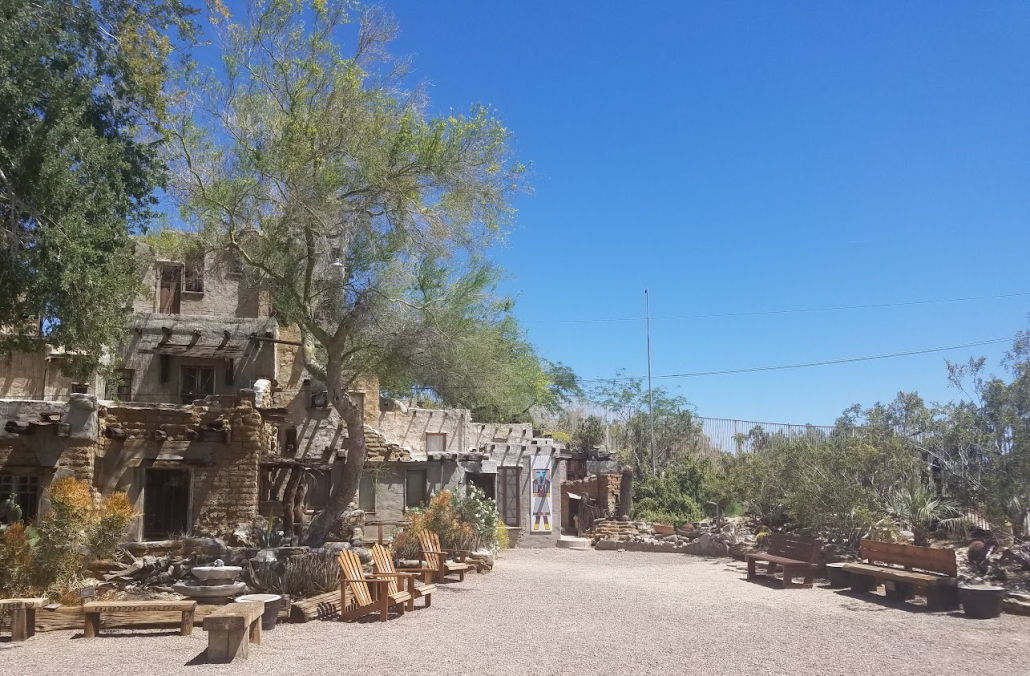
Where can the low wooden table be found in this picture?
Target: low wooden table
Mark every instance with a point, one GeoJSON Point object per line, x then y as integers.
{"type": "Point", "coordinates": [93, 610]}
{"type": "Point", "coordinates": [23, 616]}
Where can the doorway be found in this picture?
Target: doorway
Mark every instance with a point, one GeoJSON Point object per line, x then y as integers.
{"type": "Point", "coordinates": [486, 482]}
{"type": "Point", "coordinates": [166, 503]}
{"type": "Point", "coordinates": [170, 292]}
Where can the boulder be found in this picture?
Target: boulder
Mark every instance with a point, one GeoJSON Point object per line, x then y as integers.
{"type": "Point", "coordinates": [709, 545]}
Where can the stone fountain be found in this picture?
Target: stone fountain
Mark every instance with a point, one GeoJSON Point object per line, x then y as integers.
{"type": "Point", "coordinates": [216, 583]}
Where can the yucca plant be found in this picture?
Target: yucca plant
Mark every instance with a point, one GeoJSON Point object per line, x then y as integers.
{"type": "Point", "coordinates": [920, 508]}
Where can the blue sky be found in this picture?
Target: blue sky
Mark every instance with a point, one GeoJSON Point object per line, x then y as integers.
{"type": "Point", "coordinates": [735, 157]}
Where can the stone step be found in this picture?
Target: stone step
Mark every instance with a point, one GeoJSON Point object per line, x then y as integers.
{"type": "Point", "coordinates": [573, 543]}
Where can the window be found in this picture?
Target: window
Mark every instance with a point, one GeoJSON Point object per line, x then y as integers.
{"type": "Point", "coordinates": [26, 493]}
{"type": "Point", "coordinates": [318, 483]}
{"type": "Point", "coordinates": [290, 440]}
{"type": "Point", "coordinates": [120, 386]}
{"type": "Point", "coordinates": [415, 486]}
{"type": "Point", "coordinates": [197, 383]}
{"type": "Point", "coordinates": [236, 264]}
{"type": "Point", "coordinates": [509, 504]}
{"type": "Point", "coordinates": [367, 493]}
{"type": "Point", "coordinates": [80, 388]}
{"type": "Point", "coordinates": [194, 273]}
{"type": "Point", "coordinates": [436, 443]}
{"type": "Point", "coordinates": [169, 293]}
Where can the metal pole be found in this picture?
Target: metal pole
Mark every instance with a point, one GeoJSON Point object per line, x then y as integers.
{"type": "Point", "coordinates": [650, 400]}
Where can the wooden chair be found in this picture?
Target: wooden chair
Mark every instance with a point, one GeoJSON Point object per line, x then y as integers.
{"type": "Point", "coordinates": [384, 566]}
{"type": "Point", "coordinates": [369, 593]}
{"type": "Point", "coordinates": [935, 574]}
{"type": "Point", "coordinates": [435, 557]}
{"type": "Point", "coordinates": [794, 554]}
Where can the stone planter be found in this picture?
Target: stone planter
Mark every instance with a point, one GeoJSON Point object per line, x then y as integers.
{"type": "Point", "coordinates": [839, 578]}
{"type": "Point", "coordinates": [981, 601]}
{"type": "Point", "coordinates": [271, 614]}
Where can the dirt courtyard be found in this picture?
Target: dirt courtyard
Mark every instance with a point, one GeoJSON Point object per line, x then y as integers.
{"type": "Point", "coordinates": [570, 612]}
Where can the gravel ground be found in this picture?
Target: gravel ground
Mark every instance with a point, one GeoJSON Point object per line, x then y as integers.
{"type": "Point", "coordinates": [568, 612]}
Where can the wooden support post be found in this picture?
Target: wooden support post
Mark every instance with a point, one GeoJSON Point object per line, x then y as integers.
{"type": "Point", "coordinates": [91, 628]}
{"type": "Point", "coordinates": [186, 627]}
{"type": "Point", "coordinates": [18, 624]}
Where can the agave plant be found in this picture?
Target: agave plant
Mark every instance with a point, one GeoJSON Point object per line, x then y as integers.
{"type": "Point", "coordinates": [920, 508]}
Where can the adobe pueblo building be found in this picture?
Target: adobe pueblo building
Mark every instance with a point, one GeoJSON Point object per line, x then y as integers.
{"type": "Point", "coordinates": [211, 421]}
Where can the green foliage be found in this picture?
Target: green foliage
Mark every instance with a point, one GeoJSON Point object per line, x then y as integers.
{"type": "Point", "coordinates": [677, 434]}
{"type": "Point", "coordinates": [676, 496]}
{"type": "Point", "coordinates": [83, 96]}
{"type": "Point", "coordinates": [466, 521]}
{"type": "Point", "coordinates": [921, 509]}
{"type": "Point", "coordinates": [589, 434]}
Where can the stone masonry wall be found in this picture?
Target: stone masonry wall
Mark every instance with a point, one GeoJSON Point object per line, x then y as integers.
{"type": "Point", "coordinates": [604, 488]}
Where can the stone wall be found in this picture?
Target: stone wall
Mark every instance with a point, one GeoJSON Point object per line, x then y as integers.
{"type": "Point", "coordinates": [220, 445]}
{"type": "Point", "coordinates": [603, 488]}
{"type": "Point", "coordinates": [409, 427]}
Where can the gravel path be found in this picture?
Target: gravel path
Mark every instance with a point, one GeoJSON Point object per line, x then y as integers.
{"type": "Point", "coordinates": [567, 612]}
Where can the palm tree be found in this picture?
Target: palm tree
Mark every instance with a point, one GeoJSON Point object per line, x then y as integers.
{"type": "Point", "coordinates": [920, 508]}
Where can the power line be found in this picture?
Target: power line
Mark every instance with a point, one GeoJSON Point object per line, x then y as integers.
{"type": "Point", "coordinates": [783, 367]}
{"type": "Point", "coordinates": [759, 313]}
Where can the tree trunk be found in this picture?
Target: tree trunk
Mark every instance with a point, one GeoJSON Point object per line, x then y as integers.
{"type": "Point", "coordinates": [289, 495]}
{"type": "Point", "coordinates": [345, 487]}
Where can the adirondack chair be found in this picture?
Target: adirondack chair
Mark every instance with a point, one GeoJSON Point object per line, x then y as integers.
{"type": "Point", "coordinates": [384, 566]}
{"type": "Point", "coordinates": [435, 557]}
{"type": "Point", "coordinates": [370, 593]}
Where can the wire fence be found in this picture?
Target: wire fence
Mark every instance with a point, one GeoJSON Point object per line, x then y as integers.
{"type": "Point", "coordinates": [746, 436]}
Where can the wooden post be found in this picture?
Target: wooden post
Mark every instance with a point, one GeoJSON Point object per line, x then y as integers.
{"type": "Point", "coordinates": [92, 626]}
{"type": "Point", "coordinates": [186, 627]}
{"type": "Point", "coordinates": [18, 630]}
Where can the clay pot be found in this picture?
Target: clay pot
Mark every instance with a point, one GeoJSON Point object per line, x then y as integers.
{"type": "Point", "coordinates": [981, 601]}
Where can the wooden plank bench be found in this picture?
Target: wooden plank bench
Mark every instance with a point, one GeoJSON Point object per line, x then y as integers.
{"type": "Point", "coordinates": [23, 616]}
{"type": "Point", "coordinates": [796, 555]}
{"type": "Point", "coordinates": [924, 570]}
{"type": "Point", "coordinates": [92, 611]}
{"type": "Point", "coordinates": [231, 629]}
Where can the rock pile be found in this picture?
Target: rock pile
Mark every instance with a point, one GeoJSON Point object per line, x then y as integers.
{"type": "Point", "coordinates": [703, 539]}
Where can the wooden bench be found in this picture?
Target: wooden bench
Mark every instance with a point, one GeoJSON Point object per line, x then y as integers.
{"type": "Point", "coordinates": [23, 616]}
{"type": "Point", "coordinates": [924, 570]}
{"type": "Point", "coordinates": [92, 611]}
{"type": "Point", "coordinates": [231, 629]}
{"type": "Point", "coordinates": [794, 554]}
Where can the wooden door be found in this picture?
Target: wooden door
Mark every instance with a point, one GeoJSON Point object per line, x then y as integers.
{"type": "Point", "coordinates": [166, 497]}
{"type": "Point", "coordinates": [509, 502]}
{"type": "Point", "coordinates": [169, 295]}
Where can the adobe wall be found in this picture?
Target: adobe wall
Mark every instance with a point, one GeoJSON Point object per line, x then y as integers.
{"type": "Point", "coordinates": [604, 488]}
{"type": "Point", "coordinates": [225, 293]}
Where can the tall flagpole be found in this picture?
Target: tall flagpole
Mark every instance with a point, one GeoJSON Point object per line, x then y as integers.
{"type": "Point", "coordinates": [650, 400]}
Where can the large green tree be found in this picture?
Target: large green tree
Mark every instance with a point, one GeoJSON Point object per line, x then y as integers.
{"type": "Point", "coordinates": [81, 100]}
{"type": "Point", "coordinates": [366, 214]}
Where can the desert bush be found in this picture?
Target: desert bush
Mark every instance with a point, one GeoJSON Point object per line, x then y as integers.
{"type": "Point", "coordinates": [300, 576]}
{"type": "Point", "coordinates": [676, 495]}
{"type": "Point", "coordinates": [53, 556]}
{"type": "Point", "coordinates": [466, 521]}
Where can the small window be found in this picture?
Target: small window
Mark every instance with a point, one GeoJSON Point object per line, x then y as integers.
{"type": "Point", "coordinates": [120, 387]}
{"type": "Point", "coordinates": [197, 382]}
{"type": "Point", "coordinates": [26, 493]}
{"type": "Point", "coordinates": [318, 484]}
{"type": "Point", "coordinates": [194, 273]}
{"type": "Point", "coordinates": [436, 442]}
{"type": "Point", "coordinates": [290, 440]}
{"type": "Point", "coordinates": [415, 488]}
{"type": "Point", "coordinates": [367, 493]}
{"type": "Point", "coordinates": [80, 388]}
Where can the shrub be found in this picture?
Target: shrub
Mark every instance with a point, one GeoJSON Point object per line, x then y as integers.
{"type": "Point", "coordinates": [52, 558]}
{"type": "Point", "coordinates": [461, 521]}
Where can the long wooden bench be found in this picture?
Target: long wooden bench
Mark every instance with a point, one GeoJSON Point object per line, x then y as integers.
{"type": "Point", "coordinates": [923, 570]}
{"type": "Point", "coordinates": [231, 629]}
{"type": "Point", "coordinates": [796, 555]}
{"type": "Point", "coordinates": [23, 616]}
{"type": "Point", "coordinates": [93, 610]}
